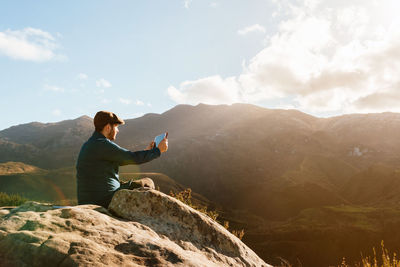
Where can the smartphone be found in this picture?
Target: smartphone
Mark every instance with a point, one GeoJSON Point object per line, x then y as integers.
{"type": "Point", "coordinates": [159, 138]}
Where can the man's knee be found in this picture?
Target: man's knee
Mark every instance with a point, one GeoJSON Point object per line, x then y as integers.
{"type": "Point", "coordinates": [144, 182]}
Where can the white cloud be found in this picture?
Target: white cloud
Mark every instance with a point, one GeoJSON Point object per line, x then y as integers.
{"type": "Point", "coordinates": [125, 101]}
{"type": "Point", "coordinates": [252, 28]}
{"type": "Point", "coordinates": [56, 112]}
{"type": "Point", "coordinates": [29, 44]}
{"type": "Point", "coordinates": [186, 3]}
{"type": "Point", "coordinates": [103, 83]}
{"type": "Point", "coordinates": [214, 4]}
{"type": "Point", "coordinates": [53, 88]}
{"type": "Point", "coordinates": [379, 101]}
{"type": "Point", "coordinates": [327, 56]}
{"type": "Point", "coordinates": [139, 103]}
{"type": "Point", "coordinates": [82, 76]}
{"type": "Point", "coordinates": [210, 90]}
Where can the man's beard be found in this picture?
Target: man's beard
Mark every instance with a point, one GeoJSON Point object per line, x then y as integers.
{"type": "Point", "coordinates": [111, 134]}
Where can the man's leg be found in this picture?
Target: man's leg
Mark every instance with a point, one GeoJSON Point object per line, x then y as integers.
{"type": "Point", "coordinates": [125, 185]}
{"type": "Point", "coordinates": [144, 182]}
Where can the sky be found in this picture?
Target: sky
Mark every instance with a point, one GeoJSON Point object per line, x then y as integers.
{"type": "Point", "coordinates": [63, 59]}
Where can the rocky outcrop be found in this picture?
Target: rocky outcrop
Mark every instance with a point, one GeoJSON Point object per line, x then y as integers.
{"type": "Point", "coordinates": [144, 228]}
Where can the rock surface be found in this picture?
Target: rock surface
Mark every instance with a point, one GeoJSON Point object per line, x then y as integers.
{"type": "Point", "coordinates": [155, 230]}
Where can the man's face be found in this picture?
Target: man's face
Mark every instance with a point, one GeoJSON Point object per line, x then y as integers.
{"type": "Point", "coordinates": [113, 130]}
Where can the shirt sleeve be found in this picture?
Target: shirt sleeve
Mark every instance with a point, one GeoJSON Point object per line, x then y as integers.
{"type": "Point", "coordinates": [115, 153]}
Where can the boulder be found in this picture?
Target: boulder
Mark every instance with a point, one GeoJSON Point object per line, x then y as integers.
{"type": "Point", "coordinates": [141, 228]}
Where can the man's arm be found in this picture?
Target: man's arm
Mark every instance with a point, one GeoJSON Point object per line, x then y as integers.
{"type": "Point", "coordinates": [114, 152]}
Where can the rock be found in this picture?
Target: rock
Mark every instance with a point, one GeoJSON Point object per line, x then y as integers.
{"type": "Point", "coordinates": [190, 229]}
{"type": "Point", "coordinates": [156, 230]}
{"type": "Point", "coordinates": [6, 210]}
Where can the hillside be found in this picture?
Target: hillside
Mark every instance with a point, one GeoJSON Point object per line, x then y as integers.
{"type": "Point", "coordinates": [50, 145]}
{"type": "Point", "coordinates": [16, 167]}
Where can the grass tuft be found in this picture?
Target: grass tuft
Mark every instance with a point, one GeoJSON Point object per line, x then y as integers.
{"type": "Point", "coordinates": [368, 261]}
{"type": "Point", "coordinates": [11, 200]}
{"type": "Point", "coordinates": [185, 196]}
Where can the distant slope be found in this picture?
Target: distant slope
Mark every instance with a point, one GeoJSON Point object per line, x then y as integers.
{"type": "Point", "coordinates": [378, 185]}
{"type": "Point", "coordinates": [323, 236]}
{"type": "Point", "coordinates": [41, 134]}
{"type": "Point", "coordinates": [42, 185]}
{"type": "Point", "coordinates": [50, 145]}
{"type": "Point", "coordinates": [16, 168]}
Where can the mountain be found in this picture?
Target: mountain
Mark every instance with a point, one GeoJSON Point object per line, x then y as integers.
{"type": "Point", "coordinates": [269, 165]}
{"type": "Point", "coordinates": [40, 135]}
{"type": "Point", "coordinates": [50, 145]}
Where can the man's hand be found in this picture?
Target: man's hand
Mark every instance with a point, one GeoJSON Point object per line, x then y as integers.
{"type": "Point", "coordinates": [151, 146]}
{"type": "Point", "coordinates": [163, 145]}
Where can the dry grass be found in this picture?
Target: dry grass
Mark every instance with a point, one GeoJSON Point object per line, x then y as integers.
{"type": "Point", "coordinates": [368, 261]}
{"type": "Point", "coordinates": [11, 200]}
{"type": "Point", "coordinates": [185, 196]}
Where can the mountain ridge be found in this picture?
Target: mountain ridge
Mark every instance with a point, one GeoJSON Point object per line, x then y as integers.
{"type": "Point", "coordinates": [178, 108]}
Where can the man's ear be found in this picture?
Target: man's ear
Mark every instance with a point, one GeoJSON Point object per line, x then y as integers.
{"type": "Point", "coordinates": [107, 127]}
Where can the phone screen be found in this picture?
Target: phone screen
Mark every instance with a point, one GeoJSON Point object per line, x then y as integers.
{"type": "Point", "coordinates": [159, 138]}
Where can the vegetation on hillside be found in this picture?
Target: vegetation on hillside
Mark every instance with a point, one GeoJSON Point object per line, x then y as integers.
{"type": "Point", "coordinates": [368, 261]}
{"type": "Point", "coordinates": [11, 200]}
{"type": "Point", "coordinates": [185, 196]}
{"type": "Point", "coordinates": [11, 167]}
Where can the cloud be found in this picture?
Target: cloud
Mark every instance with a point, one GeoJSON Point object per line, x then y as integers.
{"type": "Point", "coordinates": [214, 4]}
{"type": "Point", "coordinates": [29, 44]}
{"type": "Point", "coordinates": [125, 101]}
{"type": "Point", "coordinates": [326, 56]}
{"type": "Point", "coordinates": [210, 90]}
{"type": "Point", "coordinates": [186, 3]}
{"type": "Point", "coordinates": [139, 103]}
{"type": "Point", "coordinates": [56, 112]}
{"type": "Point", "coordinates": [389, 100]}
{"type": "Point", "coordinates": [103, 83]}
{"type": "Point", "coordinates": [82, 76]}
{"type": "Point", "coordinates": [252, 28]}
{"type": "Point", "coordinates": [53, 88]}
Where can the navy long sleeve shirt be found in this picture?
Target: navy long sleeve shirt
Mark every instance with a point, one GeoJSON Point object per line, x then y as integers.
{"type": "Point", "coordinates": [98, 165]}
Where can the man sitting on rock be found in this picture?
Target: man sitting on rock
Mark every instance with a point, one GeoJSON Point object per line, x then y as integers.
{"type": "Point", "coordinates": [99, 160]}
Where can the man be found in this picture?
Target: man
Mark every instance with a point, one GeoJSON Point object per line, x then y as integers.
{"type": "Point", "coordinates": [99, 160]}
